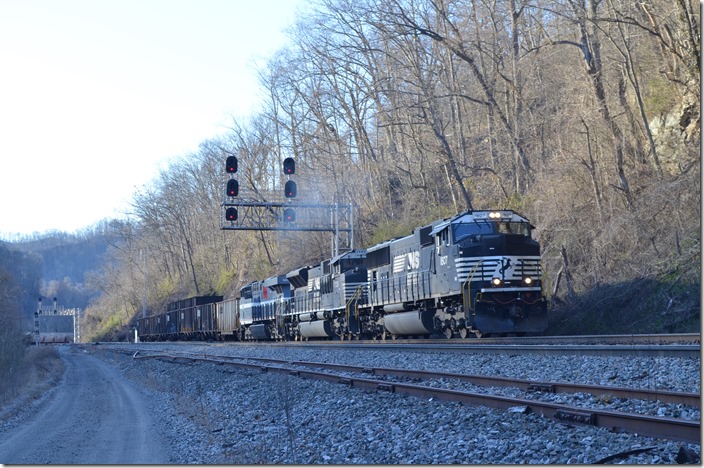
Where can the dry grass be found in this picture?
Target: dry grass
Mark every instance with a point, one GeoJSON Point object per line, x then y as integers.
{"type": "Point", "coordinates": [39, 370]}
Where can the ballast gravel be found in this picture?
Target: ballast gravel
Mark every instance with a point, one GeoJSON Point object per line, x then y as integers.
{"type": "Point", "coordinates": [222, 415]}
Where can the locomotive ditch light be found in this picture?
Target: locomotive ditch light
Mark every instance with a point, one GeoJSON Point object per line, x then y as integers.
{"type": "Point", "coordinates": [528, 280]}
{"type": "Point", "coordinates": [496, 281]}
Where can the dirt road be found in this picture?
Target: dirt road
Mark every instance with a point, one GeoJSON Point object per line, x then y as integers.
{"type": "Point", "coordinates": [95, 417]}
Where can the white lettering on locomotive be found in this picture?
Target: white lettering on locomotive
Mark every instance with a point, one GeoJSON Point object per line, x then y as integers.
{"type": "Point", "coordinates": [407, 262]}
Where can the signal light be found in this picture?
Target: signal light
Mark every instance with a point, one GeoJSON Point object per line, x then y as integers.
{"type": "Point", "coordinates": [231, 214]}
{"type": "Point", "coordinates": [289, 166]}
{"type": "Point", "coordinates": [290, 189]}
{"type": "Point", "coordinates": [289, 215]}
{"type": "Point", "coordinates": [233, 188]}
{"type": "Point", "coordinates": [231, 165]}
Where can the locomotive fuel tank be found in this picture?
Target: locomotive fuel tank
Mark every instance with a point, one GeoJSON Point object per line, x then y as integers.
{"type": "Point", "coordinates": [415, 322]}
{"type": "Point", "coordinates": [260, 332]}
{"type": "Point", "coordinates": [317, 329]}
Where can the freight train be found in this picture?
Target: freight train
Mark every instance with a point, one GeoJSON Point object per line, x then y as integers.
{"type": "Point", "coordinates": [477, 273]}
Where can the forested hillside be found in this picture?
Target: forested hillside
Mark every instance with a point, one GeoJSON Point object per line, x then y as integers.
{"type": "Point", "coordinates": [48, 265]}
{"type": "Point", "coordinates": [20, 283]}
{"type": "Point", "coordinates": [54, 264]}
{"type": "Point", "coordinates": [582, 115]}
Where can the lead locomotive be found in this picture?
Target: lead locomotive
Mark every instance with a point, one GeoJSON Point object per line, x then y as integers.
{"type": "Point", "coordinates": [478, 272]}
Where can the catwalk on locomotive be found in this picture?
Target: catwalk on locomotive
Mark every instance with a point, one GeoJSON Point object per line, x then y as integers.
{"type": "Point", "coordinates": [477, 273]}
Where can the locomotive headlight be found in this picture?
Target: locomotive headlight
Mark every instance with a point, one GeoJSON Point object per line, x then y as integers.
{"type": "Point", "coordinates": [528, 280]}
{"type": "Point", "coordinates": [494, 215]}
{"type": "Point", "coordinates": [496, 281]}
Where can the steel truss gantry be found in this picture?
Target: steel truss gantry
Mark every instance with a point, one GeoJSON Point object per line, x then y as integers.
{"type": "Point", "coordinates": [269, 216]}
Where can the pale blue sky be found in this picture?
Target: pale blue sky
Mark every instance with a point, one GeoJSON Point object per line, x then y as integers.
{"type": "Point", "coordinates": [97, 95]}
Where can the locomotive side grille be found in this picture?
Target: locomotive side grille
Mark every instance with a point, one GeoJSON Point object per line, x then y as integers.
{"type": "Point", "coordinates": [399, 263]}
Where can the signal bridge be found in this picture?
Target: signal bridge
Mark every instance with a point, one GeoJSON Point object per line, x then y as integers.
{"type": "Point", "coordinates": [56, 325]}
{"type": "Point", "coordinates": [287, 216]}
{"type": "Point", "coordinates": [251, 210]}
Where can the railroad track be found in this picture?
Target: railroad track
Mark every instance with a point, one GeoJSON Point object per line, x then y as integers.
{"type": "Point", "coordinates": [682, 345]}
{"type": "Point", "coordinates": [644, 339]}
{"type": "Point", "coordinates": [673, 350]}
{"type": "Point", "coordinates": [405, 381]}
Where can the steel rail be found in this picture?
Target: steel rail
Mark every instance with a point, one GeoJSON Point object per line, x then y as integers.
{"type": "Point", "coordinates": [673, 351]}
{"type": "Point", "coordinates": [623, 339]}
{"type": "Point", "coordinates": [665, 396]}
{"type": "Point", "coordinates": [652, 338]}
{"type": "Point", "coordinates": [676, 351]}
{"type": "Point", "coordinates": [652, 426]}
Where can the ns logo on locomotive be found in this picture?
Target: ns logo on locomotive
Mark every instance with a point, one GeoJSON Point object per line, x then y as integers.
{"type": "Point", "coordinates": [475, 273]}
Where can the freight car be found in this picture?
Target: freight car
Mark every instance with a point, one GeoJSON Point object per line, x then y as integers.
{"type": "Point", "coordinates": [477, 273]}
{"type": "Point", "coordinates": [194, 318]}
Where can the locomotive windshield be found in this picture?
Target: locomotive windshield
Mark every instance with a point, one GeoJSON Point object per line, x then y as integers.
{"type": "Point", "coordinates": [514, 228]}
{"type": "Point", "coordinates": [462, 230]}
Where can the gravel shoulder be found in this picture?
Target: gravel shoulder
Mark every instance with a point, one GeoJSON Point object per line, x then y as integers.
{"type": "Point", "coordinates": [225, 415]}
{"type": "Point", "coordinates": [94, 416]}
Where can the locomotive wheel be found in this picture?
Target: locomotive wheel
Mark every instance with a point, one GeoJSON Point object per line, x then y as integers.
{"type": "Point", "coordinates": [463, 333]}
{"type": "Point", "coordinates": [478, 334]}
{"type": "Point", "coordinates": [448, 333]}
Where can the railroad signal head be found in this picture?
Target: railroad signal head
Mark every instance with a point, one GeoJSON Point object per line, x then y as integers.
{"type": "Point", "coordinates": [290, 189]}
{"type": "Point", "coordinates": [231, 165]}
{"type": "Point", "coordinates": [289, 166]}
{"type": "Point", "coordinates": [289, 215]}
{"type": "Point", "coordinates": [233, 188]}
{"type": "Point", "coordinates": [231, 214]}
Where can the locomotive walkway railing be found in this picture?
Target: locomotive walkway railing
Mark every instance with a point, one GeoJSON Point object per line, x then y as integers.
{"type": "Point", "coordinates": [467, 286]}
{"type": "Point", "coordinates": [409, 287]}
{"type": "Point", "coordinates": [354, 299]}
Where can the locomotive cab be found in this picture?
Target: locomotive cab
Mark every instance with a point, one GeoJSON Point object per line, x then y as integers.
{"type": "Point", "coordinates": [495, 272]}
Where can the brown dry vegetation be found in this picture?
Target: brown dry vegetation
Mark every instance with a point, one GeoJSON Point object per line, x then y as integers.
{"type": "Point", "coordinates": [39, 370]}
{"type": "Point", "coordinates": [582, 115]}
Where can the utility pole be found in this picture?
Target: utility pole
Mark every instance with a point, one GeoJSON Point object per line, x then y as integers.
{"type": "Point", "coordinates": [144, 271]}
{"type": "Point", "coordinates": [36, 322]}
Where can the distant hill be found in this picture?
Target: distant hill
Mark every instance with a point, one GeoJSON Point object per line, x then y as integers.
{"type": "Point", "coordinates": [55, 264]}
{"type": "Point", "coordinates": [66, 255]}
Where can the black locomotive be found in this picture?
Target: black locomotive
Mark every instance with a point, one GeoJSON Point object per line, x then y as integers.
{"type": "Point", "coordinates": [475, 273]}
